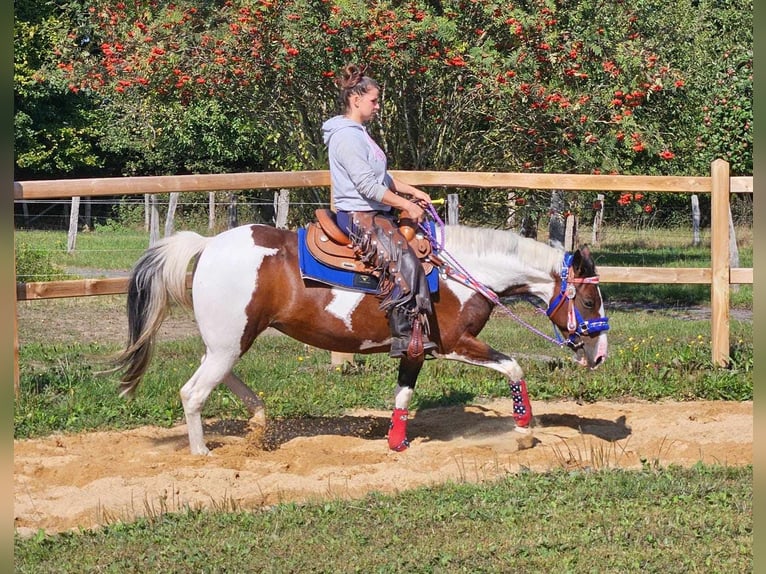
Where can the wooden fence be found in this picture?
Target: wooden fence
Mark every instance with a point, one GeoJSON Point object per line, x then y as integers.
{"type": "Point", "coordinates": [719, 184]}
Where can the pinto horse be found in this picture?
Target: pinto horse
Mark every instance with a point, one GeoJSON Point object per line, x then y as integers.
{"type": "Point", "coordinates": [248, 278]}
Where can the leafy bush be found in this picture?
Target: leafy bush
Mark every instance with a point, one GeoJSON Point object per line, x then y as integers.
{"type": "Point", "coordinates": [35, 263]}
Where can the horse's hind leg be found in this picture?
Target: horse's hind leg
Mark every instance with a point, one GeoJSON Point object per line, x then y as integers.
{"type": "Point", "coordinates": [214, 369]}
{"type": "Point", "coordinates": [405, 387]}
{"type": "Point", "coordinates": [254, 405]}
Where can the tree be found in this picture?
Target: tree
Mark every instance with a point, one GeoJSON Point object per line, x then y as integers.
{"type": "Point", "coordinates": [538, 85]}
{"type": "Point", "coordinates": [55, 134]}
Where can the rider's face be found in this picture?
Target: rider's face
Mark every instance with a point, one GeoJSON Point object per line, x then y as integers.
{"type": "Point", "coordinates": [366, 105]}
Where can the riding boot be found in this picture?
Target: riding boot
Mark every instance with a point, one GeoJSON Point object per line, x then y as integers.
{"type": "Point", "coordinates": [407, 334]}
{"type": "Point", "coordinates": [401, 329]}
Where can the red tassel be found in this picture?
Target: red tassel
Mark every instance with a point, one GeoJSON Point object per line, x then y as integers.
{"type": "Point", "coordinates": [415, 348]}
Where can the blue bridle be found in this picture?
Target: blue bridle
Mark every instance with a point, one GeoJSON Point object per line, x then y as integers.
{"type": "Point", "coordinates": [576, 325]}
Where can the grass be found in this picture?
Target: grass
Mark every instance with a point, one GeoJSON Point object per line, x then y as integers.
{"type": "Point", "coordinates": [658, 519]}
{"type": "Point", "coordinates": [628, 247]}
{"type": "Point", "coordinates": [104, 250]}
{"type": "Point", "coordinates": [654, 520]}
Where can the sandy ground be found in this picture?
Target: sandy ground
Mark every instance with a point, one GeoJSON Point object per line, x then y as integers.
{"type": "Point", "coordinates": [85, 480]}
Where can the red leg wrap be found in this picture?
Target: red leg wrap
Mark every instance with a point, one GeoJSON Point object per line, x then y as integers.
{"type": "Point", "coordinates": [397, 434]}
{"type": "Point", "coordinates": [522, 408]}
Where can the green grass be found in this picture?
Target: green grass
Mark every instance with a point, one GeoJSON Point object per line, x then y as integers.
{"type": "Point", "coordinates": [628, 247]}
{"type": "Point", "coordinates": [654, 520]}
{"type": "Point", "coordinates": [105, 249]}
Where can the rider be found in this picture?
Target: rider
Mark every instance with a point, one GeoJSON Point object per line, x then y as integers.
{"type": "Point", "coordinates": [364, 195]}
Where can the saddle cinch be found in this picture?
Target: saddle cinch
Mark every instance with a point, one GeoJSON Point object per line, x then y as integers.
{"type": "Point", "coordinates": [329, 244]}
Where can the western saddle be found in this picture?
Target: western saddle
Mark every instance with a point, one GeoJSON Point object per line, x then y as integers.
{"type": "Point", "coordinates": [329, 244]}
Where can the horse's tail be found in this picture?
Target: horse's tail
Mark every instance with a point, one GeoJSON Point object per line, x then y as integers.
{"type": "Point", "coordinates": [158, 278]}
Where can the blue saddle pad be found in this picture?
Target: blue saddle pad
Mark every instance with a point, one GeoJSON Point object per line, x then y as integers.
{"type": "Point", "coordinates": [311, 268]}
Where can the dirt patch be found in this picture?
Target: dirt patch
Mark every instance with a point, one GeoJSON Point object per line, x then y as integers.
{"type": "Point", "coordinates": [85, 480]}
{"type": "Point", "coordinates": [90, 320]}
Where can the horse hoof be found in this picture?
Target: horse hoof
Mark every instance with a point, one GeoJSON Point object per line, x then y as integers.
{"type": "Point", "coordinates": [256, 435]}
{"type": "Point", "coordinates": [404, 445]}
{"type": "Point", "coordinates": [522, 430]}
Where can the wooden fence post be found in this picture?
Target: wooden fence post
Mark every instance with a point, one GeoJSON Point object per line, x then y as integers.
{"type": "Point", "coordinates": [720, 266]}
{"type": "Point", "coordinates": [453, 205]}
{"type": "Point", "coordinates": [570, 232]}
{"type": "Point", "coordinates": [695, 220]}
{"type": "Point", "coordinates": [154, 221]}
{"type": "Point", "coordinates": [733, 249]}
{"type": "Point", "coordinates": [171, 214]}
{"type": "Point", "coordinates": [598, 220]}
{"type": "Point", "coordinates": [559, 230]}
{"type": "Point", "coordinates": [510, 221]}
{"type": "Point", "coordinates": [211, 211]}
{"type": "Point", "coordinates": [281, 207]}
{"type": "Point", "coordinates": [233, 215]}
{"type": "Point", "coordinates": [74, 216]}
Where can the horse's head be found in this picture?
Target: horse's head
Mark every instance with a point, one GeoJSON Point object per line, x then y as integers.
{"type": "Point", "coordinates": [577, 309]}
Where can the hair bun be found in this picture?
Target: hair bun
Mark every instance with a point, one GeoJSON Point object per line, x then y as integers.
{"type": "Point", "coordinates": [351, 76]}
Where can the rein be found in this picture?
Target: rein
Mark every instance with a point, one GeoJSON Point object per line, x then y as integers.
{"type": "Point", "coordinates": [576, 325]}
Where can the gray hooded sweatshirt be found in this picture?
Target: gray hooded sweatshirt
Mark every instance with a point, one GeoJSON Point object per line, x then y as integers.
{"type": "Point", "coordinates": [357, 166]}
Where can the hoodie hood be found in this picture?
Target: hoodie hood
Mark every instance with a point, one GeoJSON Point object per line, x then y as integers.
{"type": "Point", "coordinates": [336, 124]}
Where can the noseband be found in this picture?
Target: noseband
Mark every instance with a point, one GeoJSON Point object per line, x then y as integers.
{"type": "Point", "coordinates": [576, 325]}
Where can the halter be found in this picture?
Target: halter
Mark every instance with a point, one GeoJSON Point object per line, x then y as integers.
{"type": "Point", "coordinates": [576, 325]}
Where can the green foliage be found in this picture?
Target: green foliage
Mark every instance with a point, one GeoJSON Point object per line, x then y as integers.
{"type": "Point", "coordinates": [543, 86]}
{"type": "Point", "coordinates": [656, 519]}
{"type": "Point", "coordinates": [724, 64]}
{"type": "Point", "coordinates": [55, 130]}
{"type": "Point", "coordinates": [35, 262]}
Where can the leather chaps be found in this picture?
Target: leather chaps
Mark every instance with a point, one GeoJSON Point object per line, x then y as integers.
{"type": "Point", "coordinates": [404, 292]}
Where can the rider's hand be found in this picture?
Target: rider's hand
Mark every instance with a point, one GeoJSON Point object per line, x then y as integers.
{"type": "Point", "coordinates": [421, 196]}
{"type": "Point", "coordinates": [413, 211]}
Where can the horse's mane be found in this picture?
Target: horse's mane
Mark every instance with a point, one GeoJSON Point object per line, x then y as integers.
{"type": "Point", "coordinates": [489, 244]}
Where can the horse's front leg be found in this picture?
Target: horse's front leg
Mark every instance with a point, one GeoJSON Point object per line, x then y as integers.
{"type": "Point", "coordinates": [405, 387]}
{"type": "Point", "coordinates": [472, 351]}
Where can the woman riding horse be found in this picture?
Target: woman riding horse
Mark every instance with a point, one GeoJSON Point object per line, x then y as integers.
{"type": "Point", "coordinates": [365, 194]}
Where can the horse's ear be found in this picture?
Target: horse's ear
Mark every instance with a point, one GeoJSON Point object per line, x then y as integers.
{"type": "Point", "coordinates": [581, 259]}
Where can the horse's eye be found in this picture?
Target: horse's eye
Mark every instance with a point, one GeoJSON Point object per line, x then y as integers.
{"type": "Point", "coordinates": [589, 304]}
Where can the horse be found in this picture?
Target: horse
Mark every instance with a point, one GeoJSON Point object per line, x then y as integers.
{"type": "Point", "coordinates": [247, 279]}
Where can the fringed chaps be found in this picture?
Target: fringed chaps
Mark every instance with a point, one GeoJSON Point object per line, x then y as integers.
{"type": "Point", "coordinates": [403, 287]}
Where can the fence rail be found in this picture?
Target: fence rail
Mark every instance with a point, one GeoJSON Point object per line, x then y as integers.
{"type": "Point", "coordinates": [719, 184]}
